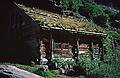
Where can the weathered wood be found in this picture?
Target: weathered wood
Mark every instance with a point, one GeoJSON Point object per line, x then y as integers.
{"type": "Point", "coordinates": [100, 50]}
{"type": "Point", "coordinates": [51, 46]}
{"type": "Point", "coordinates": [61, 48]}
{"type": "Point", "coordinates": [102, 53]}
{"type": "Point", "coordinates": [17, 32]}
{"type": "Point", "coordinates": [96, 52]}
{"type": "Point", "coordinates": [77, 50]}
{"type": "Point", "coordinates": [50, 50]}
{"type": "Point", "coordinates": [40, 47]}
{"type": "Point", "coordinates": [91, 50]}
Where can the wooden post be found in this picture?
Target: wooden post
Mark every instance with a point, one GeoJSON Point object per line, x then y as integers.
{"type": "Point", "coordinates": [61, 46]}
{"type": "Point", "coordinates": [40, 50]}
{"type": "Point", "coordinates": [101, 52]}
{"type": "Point", "coordinates": [51, 45]}
{"type": "Point", "coordinates": [91, 50]}
{"type": "Point", "coordinates": [104, 55]}
{"type": "Point", "coordinates": [73, 50]}
{"type": "Point", "coordinates": [77, 50]}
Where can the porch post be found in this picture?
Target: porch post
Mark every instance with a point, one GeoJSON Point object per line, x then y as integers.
{"type": "Point", "coordinates": [51, 45]}
{"type": "Point", "coordinates": [101, 52]}
{"type": "Point", "coordinates": [104, 54]}
{"type": "Point", "coordinates": [91, 50]}
{"type": "Point", "coordinates": [77, 50]}
{"type": "Point", "coordinates": [40, 50]}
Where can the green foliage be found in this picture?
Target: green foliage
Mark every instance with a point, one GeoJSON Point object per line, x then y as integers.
{"type": "Point", "coordinates": [72, 5]}
{"type": "Point", "coordinates": [75, 5]}
{"type": "Point", "coordinates": [63, 63]}
{"type": "Point", "coordinates": [116, 32]}
{"type": "Point", "coordinates": [4, 63]}
{"type": "Point", "coordinates": [37, 70]}
{"type": "Point", "coordinates": [100, 14]}
{"type": "Point", "coordinates": [98, 69]}
{"type": "Point", "coordinates": [95, 10]}
{"type": "Point", "coordinates": [108, 10]}
{"type": "Point", "coordinates": [59, 61]}
{"type": "Point", "coordinates": [65, 4]}
{"type": "Point", "coordinates": [48, 74]}
{"type": "Point", "coordinates": [33, 69]}
{"type": "Point", "coordinates": [81, 76]}
{"type": "Point", "coordinates": [116, 58]}
{"type": "Point", "coordinates": [97, 14]}
{"type": "Point", "coordinates": [107, 42]}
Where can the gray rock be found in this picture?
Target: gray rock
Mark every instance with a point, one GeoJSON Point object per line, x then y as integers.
{"type": "Point", "coordinates": [62, 71]}
{"type": "Point", "coordinates": [8, 71]}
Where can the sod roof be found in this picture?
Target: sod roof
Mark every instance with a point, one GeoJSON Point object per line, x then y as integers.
{"type": "Point", "coordinates": [54, 20]}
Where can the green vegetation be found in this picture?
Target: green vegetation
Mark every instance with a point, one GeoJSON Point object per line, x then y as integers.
{"type": "Point", "coordinates": [33, 69]}
{"type": "Point", "coordinates": [72, 5]}
{"type": "Point", "coordinates": [98, 13]}
{"type": "Point", "coordinates": [86, 68]}
{"type": "Point", "coordinates": [37, 69]}
{"type": "Point", "coordinates": [55, 20]}
{"type": "Point", "coordinates": [103, 16]}
{"type": "Point", "coordinates": [40, 71]}
{"type": "Point", "coordinates": [98, 69]}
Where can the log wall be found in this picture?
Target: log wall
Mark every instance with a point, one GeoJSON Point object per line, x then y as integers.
{"type": "Point", "coordinates": [17, 34]}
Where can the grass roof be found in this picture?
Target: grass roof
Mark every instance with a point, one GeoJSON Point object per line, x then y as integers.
{"type": "Point", "coordinates": [65, 22]}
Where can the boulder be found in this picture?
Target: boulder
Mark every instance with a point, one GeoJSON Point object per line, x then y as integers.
{"type": "Point", "coordinates": [8, 71]}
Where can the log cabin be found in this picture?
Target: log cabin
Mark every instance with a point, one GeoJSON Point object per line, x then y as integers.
{"type": "Point", "coordinates": [29, 32]}
{"type": "Point", "coordinates": [65, 36]}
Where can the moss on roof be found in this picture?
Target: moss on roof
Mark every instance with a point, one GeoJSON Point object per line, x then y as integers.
{"type": "Point", "coordinates": [56, 20]}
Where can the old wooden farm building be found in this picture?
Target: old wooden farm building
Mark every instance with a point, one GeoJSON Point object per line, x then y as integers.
{"type": "Point", "coordinates": [33, 32]}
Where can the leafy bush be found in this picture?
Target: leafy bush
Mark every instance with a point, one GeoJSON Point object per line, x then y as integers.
{"type": "Point", "coordinates": [98, 69]}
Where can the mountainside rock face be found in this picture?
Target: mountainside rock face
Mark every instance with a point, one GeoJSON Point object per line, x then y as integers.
{"type": "Point", "coordinates": [8, 71]}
